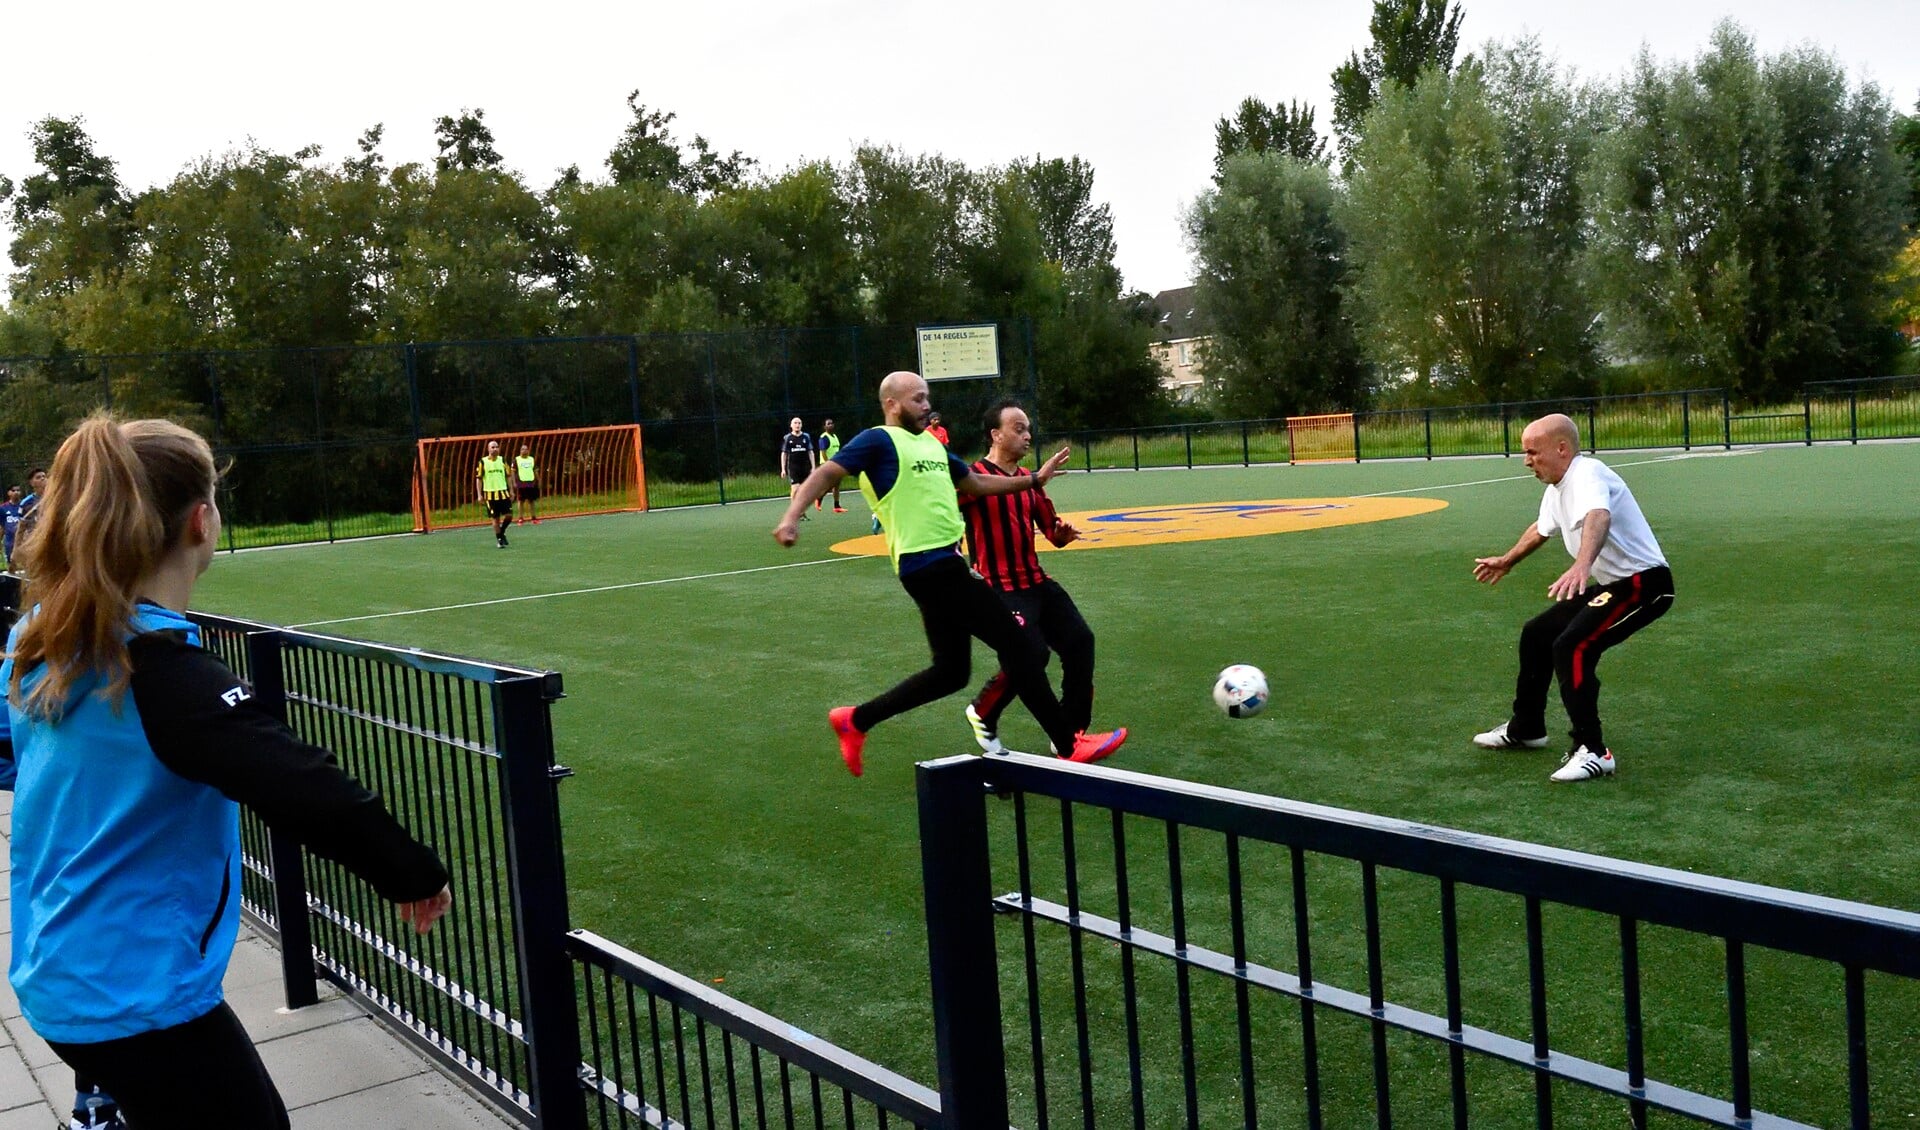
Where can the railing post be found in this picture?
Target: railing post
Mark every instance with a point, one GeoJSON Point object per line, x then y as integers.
{"type": "Point", "coordinates": [1807, 408]}
{"type": "Point", "coordinates": [1853, 415]}
{"type": "Point", "coordinates": [410, 362]}
{"type": "Point", "coordinates": [633, 375]}
{"type": "Point", "coordinates": [1136, 449]}
{"type": "Point", "coordinates": [1187, 430]}
{"type": "Point", "coordinates": [1086, 449]}
{"type": "Point", "coordinates": [1593, 427]}
{"type": "Point", "coordinates": [268, 676]}
{"type": "Point", "coordinates": [1686, 423]}
{"type": "Point", "coordinates": [1246, 453]}
{"type": "Point", "coordinates": [1726, 417]}
{"type": "Point", "coordinates": [537, 876]}
{"type": "Point", "coordinates": [1506, 444]}
{"type": "Point", "coordinates": [958, 880]}
{"type": "Point", "coordinates": [1428, 413]}
{"type": "Point", "coordinates": [1356, 437]}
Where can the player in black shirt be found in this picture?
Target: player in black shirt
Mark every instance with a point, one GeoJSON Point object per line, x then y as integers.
{"type": "Point", "coordinates": [796, 456]}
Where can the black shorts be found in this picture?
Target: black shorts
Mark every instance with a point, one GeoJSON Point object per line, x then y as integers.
{"type": "Point", "coordinates": [798, 470]}
{"type": "Point", "coordinates": [529, 492]}
{"type": "Point", "coordinates": [500, 507]}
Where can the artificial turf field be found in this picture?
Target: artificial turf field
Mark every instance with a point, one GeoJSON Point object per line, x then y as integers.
{"type": "Point", "coordinates": [1764, 729]}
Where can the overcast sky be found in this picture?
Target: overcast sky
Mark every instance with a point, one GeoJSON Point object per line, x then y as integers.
{"type": "Point", "coordinates": [1132, 87]}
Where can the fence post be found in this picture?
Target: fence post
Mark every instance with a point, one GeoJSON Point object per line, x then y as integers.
{"type": "Point", "coordinates": [1356, 437]}
{"type": "Point", "coordinates": [1686, 423]}
{"type": "Point", "coordinates": [1187, 430]}
{"type": "Point", "coordinates": [713, 418]}
{"type": "Point", "coordinates": [1136, 449]}
{"type": "Point", "coordinates": [1807, 408]}
{"type": "Point", "coordinates": [1726, 417]}
{"type": "Point", "coordinates": [1506, 444]}
{"type": "Point", "coordinates": [537, 876]}
{"type": "Point", "coordinates": [1246, 454]}
{"type": "Point", "coordinates": [1428, 413]}
{"type": "Point", "coordinates": [106, 383]}
{"type": "Point", "coordinates": [1086, 449]}
{"type": "Point", "coordinates": [1593, 427]}
{"type": "Point", "coordinates": [1853, 415]}
{"type": "Point", "coordinates": [633, 375]}
{"type": "Point", "coordinates": [268, 676]}
{"type": "Point", "coordinates": [958, 881]}
{"type": "Point", "coordinates": [409, 361]}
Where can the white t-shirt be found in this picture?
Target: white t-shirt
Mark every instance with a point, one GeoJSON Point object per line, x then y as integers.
{"type": "Point", "coordinates": [1591, 485]}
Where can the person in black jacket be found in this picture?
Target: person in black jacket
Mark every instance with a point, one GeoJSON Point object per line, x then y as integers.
{"type": "Point", "coordinates": [130, 749]}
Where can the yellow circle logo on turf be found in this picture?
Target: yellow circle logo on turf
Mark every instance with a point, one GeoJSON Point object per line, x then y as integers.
{"type": "Point", "coordinates": [1205, 521]}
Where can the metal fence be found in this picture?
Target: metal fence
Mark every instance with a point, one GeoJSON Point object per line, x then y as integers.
{"type": "Point", "coordinates": [1828, 412]}
{"type": "Point", "coordinates": [1175, 954]}
{"type": "Point", "coordinates": [321, 441]}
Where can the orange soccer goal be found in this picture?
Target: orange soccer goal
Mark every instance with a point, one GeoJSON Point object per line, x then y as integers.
{"type": "Point", "coordinates": [577, 470]}
{"type": "Point", "coordinates": [1320, 439]}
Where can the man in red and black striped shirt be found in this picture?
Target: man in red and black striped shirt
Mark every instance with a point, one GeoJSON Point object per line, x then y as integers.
{"type": "Point", "coordinates": [1000, 532]}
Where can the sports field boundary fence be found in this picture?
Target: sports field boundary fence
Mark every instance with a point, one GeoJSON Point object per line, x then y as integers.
{"type": "Point", "coordinates": [1250, 895]}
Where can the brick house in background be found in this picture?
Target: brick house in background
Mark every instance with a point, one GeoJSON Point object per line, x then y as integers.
{"type": "Point", "coordinates": [1183, 333]}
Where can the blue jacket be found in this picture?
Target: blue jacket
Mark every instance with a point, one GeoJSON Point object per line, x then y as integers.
{"type": "Point", "coordinates": [126, 836]}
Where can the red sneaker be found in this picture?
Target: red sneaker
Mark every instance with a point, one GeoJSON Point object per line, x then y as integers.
{"type": "Point", "coordinates": [816, 504]}
{"type": "Point", "coordinates": [536, 521]}
{"type": "Point", "coordinates": [851, 740]}
{"type": "Point", "coordinates": [839, 510]}
{"type": "Point", "coordinates": [1089, 748]}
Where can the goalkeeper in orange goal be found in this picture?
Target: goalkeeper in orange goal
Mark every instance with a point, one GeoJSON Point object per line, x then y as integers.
{"type": "Point", "coordinates": [490, 486]}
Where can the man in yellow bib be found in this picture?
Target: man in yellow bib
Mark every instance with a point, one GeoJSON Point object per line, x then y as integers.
{"type": "Point", "coordinates": [490, 487]}
{"type": "Point", "coordinates": [911, 480]}
{"type": "Point", "coordinates": [526, 483]}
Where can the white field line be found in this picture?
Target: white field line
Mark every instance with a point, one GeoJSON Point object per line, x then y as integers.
{"type": "Point", "coordinates": [828, 561]}
{"type": "Point", "coordinates": [573, 592]}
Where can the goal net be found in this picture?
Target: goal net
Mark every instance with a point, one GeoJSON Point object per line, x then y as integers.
{"type": "Point", "coordinates": [1319, 439]}
{"type": "Point", "coordinates": [577, 471]}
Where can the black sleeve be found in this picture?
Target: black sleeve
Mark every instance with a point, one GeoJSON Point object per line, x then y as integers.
{"type": "Point", "coordinates": [204, 724]}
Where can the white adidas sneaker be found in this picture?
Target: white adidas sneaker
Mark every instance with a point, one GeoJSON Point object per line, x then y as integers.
{"type": "Point", "coordinates": [989, 739]}
{"type": "Point", "coordinates": [1497, 738]}
{"type": "Point", "coordinates": [1584, 764]}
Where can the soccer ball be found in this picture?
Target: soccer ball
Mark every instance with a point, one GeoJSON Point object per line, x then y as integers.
{"type": "Point", "coordinates": [1240, 691]}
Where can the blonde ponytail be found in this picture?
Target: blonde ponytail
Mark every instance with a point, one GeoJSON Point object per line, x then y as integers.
{"type": "Point", "coordinates": [118, 497]}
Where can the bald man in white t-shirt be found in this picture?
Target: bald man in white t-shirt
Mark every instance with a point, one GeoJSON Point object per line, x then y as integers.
{"type": "Point", "coordinates": [1618, 583]}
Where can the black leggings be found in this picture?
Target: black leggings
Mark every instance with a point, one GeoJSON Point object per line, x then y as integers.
{"type": "Point", "coordinates": [185, 1077]}
{"type": "Point", "coordinates": [958, 607]}
{"type": "Point", "coordinates": [1048, 615]}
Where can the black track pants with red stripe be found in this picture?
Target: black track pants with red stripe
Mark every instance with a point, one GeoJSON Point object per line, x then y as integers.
{"type": "Point", "coordinates": [1566, 642]}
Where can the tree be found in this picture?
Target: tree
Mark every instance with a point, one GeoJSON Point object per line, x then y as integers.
{"type": "Point", "coordinates": [1258, 128]}
{"type": "Point", "coordinates": [1409, 38]}
{"type": "Point", "coordinates": [71, 220]}
{"type": "Point", "coordinates": [1465, 213]}
{"type": "Point", "coordinates": [1745, 217]}
{"type": "Point", "coordinates": [1906, 142]}
{"type": "Point", "coordinates": [1272, 270]}
{"type": "Point", "coordinates": [648, 153]}
{"type": "Point", "coordinates": [464, 142]}
{"type": "Point", "coordinates": [1074, 232]}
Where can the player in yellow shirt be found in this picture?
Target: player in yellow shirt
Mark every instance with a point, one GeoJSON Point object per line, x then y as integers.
{"type": "Point", "coordinates": [490, 487]}
{"type": "Point", "coordinates": [526, 484]}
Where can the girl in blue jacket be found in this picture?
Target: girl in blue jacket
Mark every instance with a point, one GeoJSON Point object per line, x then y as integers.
{"type": "Point", "coordinates": [131, 749]}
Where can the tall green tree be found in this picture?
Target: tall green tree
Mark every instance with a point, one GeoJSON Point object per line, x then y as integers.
{"type": "Point", "coordinates": [464, 142]}
{"type": "Point", "coordinates": [1746, 214]}
{"type": "Point", "coordinates": [1259, 128]}
{"type": "Point", "coordinates": [648, 152]}
{"type": "Point", "coordinates": [1906, 143]}
{"type": "Point", "coordinates": [72, 220]}
{"type": "Point", "coordinates": [1075, 232]}
{"type": "Point", "coordinates": [1409, 37]}
{"type": "Point", "coordinates": [1465, 213]}
{"type": "Point", "coordinates": [1272, 260]}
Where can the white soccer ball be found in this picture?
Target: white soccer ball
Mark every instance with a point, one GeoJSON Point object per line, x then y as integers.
{"type": "Point", "coordinates": [1240, 691]}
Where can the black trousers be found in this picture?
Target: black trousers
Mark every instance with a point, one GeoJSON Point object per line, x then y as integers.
{"type": "Point", "coordinates": [1566, 641]}
{"type": "Point", "coordinates": [958, 607]}
{"type": "Point", "coordinates": [1050, 619]}
{"type": "Point", "coordinates": [201, 1073]}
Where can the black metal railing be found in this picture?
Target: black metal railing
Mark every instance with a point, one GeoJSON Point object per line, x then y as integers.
{"type": "Point", "coordinates": [1180, 952]}
{"type": "Point", "coordinates": [462, 753]}
{"type": "Point", "coordinates": [666, 1050]}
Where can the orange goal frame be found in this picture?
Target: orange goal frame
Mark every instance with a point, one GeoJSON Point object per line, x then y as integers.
{"type": "Point", "coordinates": [599, 470]}
{"type": "Point", "coordinates": [1322, 439]}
